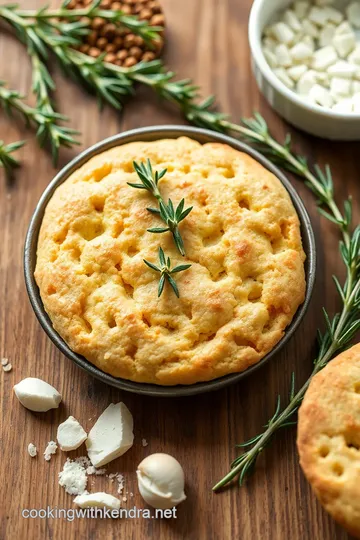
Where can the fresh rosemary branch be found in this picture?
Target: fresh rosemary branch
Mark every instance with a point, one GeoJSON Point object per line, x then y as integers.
{"type": "Point", "coordinates": [341, 329]}
{"type": "Point", "coordinates": [7, 161]}
{"type": "Point", "coordinates": [44, 119]}
{"type": "Point", "coordinates": [166, 272]}
{"type": "Point", "coordinates": [170, 216]}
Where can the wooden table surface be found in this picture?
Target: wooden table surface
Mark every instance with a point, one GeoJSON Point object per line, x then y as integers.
{"type": "Point", "coordinates": [206, 40]}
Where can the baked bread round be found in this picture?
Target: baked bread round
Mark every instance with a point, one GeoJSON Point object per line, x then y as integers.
{"type": "Point", "coordinates": [329, 438]}
{"type": "Point", "coordinates": [242, 239]}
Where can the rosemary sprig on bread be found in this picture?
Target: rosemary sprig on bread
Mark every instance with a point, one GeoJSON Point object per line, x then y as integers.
{"type": "Point", "coordinates": [166, 272]}
{"type": "Point", "coordinates": [167, 212]}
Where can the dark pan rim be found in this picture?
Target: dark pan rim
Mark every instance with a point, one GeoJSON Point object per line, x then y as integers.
{"type": "Point", "coordinates": [150, 134]}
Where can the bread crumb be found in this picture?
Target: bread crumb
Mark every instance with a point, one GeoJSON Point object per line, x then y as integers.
{"type": "Point", "coordinates": [8, 367]}
{"type": "Point", "coordinates": [32, 450]}
{"type": "Point", "coordinates": [144, 442]}
{"type": "Point", "coordinates": [50, 450]}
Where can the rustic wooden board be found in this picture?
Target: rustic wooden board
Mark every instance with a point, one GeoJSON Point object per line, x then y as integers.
{"type": "Point", "coordinates": [207, 40]}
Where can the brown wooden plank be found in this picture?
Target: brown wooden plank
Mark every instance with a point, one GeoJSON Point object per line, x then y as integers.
{"type": "Point", "coordinates": [207, 40]}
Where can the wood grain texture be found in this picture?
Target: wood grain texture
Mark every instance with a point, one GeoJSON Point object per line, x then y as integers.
{"type": "Point", "coordinates": [206, 40]}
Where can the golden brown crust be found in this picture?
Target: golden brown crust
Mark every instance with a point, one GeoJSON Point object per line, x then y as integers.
{"type": "Point", "coordinates": [329, 438]}
{"type": "Point", "coordinates": [242, 238]}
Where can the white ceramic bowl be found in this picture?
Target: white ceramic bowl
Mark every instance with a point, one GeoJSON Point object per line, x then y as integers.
{"type": "Point", "coordinates": [306, 116]}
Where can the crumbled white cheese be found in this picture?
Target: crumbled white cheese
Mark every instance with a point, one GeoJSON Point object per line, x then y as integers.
{"type": "Point", "coordinates": [4, 361]}
{"type": "Point", "coordinates": [327, 35]}
{"type": "Point", "coordinates": [306, 82]}
{"type": "Point", "coordinates": [32, 450]}
{"type": "Point", "coordinates": [323, 58]}
{"type": "Point", "coordinates": [73, 477]}
{"type": "Point", "coordinates": [37, 395]}
{"type": "Point", "coordinates": [284, 77]}
{"type": "Point", "coordinates": [318, 16]}
{"type": "Point", "coordinates": [291, 19]}
{"type": "Point", "coordinates": [301, 8]}
{"type": "Point", "coordinates": [70, 434]}
{"type": "Point", "coordinates": [93, 470]}
{"type": "Point", "coordinates": [353, 14]}
{"type": "Point", "coordinates": [111, 436]}
{"type": "Point", "coordinates": [50, 450]}
{"type": "Point", "coordinates": [340, 87]}
{"type": "Point", "coordinates": [282, 55]}
{"type": "Point", "coordinates": [320, 95]}
{"type": "Point", "coordinates": [144, 442]}
{"type": "Point", "coordinates": [97, 500]}
{"type": "Point", "coordinates": [344, 44]}
{"type": "Point", "coordinates": [7, 368]}
{"type": "Point", "coordinates": [300, 52]}
{"type": "Point", "coordinates": [283, 33]}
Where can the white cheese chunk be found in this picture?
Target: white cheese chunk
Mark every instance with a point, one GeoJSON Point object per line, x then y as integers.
{"type": "Point", "coordinates": [50, 450]}
{"type": "Point", "coordinates": [327, 35]}
{"type": "Point", "coordinates": [306, 82]}
{"type": "Point", "coordinates": [354, 57]}
{"type": "Point", "coordinates": [37, 395]}
{"type": "Point", "coordinates": [318, 16]}
{"type": "Point", "coordinates": [309, 41]}
{"type": "Point", "coordinates": [291, 19]}
{"type": "Point", "coordinates": [344, 28]}
{"type": "Point", "coordinates": [353, 14]}
{"type": "Point", "coordinates": [70, 434]}
{"type": "Point", "coordinates": [270, 58]}
{"type": "Point", "coordinates": [340, 87]}
{"type": "Point", "coordinates": [301, 8]}
{"type": "Point", "coordinates": [310, 29]}
{"type": "Point", "coordinates": [300, 52]}
{"type": "Point", "coordinates": [295, 72]}
{"type": "Point", "coordinates": [342, 69]}
{"type": "Point", "coordinates": [97, 500]}
{"type": "Point", "coordinates": [112, 435]}
{"type": "Point", "coordinates": [32, 450]}
{"type": "Point", "coordinates": [344, 43]}
{"type": "Point", "coordinates": [282, 32]}
{"type": "Point", "coordinates": [282, 54]}
{"type": "Point", "coordinates": [323, 78]}
{"type": "Point", "coordinates": [324, 57]}
{"type": "Point", "coordinates": [343, 106]}
{"type": "Point", "coordinates": [320, 95]}
{"type": "Point", "coordinates": [269, 43]}
{"type": "Point", "coordinates": [334, 15]}
{"type": "Point", "coordinates": [284, 77]}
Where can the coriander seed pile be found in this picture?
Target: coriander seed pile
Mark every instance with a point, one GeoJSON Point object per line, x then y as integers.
{"type": "Point", "coordinates": [122, 47]}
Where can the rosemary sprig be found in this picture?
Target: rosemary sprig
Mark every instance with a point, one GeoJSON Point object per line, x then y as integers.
{"type": "Point", "coordinates": [166, 272]}
{"type": "Point", "coordinates": [7, 161]}
{"type": "Point", "coordinates": [45, 119]}
{"type": "Point", "coordinates": [341, 329]}
{"type": "Point", "coordinates": [170, 215]}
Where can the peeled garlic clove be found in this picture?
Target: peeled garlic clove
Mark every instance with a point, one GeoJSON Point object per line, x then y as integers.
{"type": "Point", "coordinates": [161, 481]}
{"type": "Point", "coordinates": [37, 395]}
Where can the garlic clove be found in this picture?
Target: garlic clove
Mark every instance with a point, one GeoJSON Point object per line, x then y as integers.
{"type": "Point", "coordinates": [37, 395]}
{"type": "Point", "coordinates": [161, 481]}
